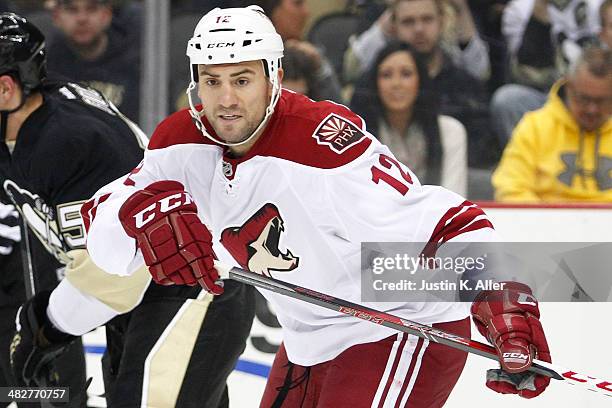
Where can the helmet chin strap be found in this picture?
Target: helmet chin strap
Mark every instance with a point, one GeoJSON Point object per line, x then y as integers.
{"type": "Point", "coordinates": [3, 120]}
{"type": "Point", "coordinates": [197, 115]}
{"type": "Point", "coordinates": [4, 114]}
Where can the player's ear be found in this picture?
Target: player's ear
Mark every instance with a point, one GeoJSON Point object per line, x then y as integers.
{"type": "Point", "coordinates": [281, 74]}
{"type": "Point", "coordinates": [8, 87]}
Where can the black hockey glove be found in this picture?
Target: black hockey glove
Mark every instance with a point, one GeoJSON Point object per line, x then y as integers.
{"type": "Point", "coordinates": [37, 344]}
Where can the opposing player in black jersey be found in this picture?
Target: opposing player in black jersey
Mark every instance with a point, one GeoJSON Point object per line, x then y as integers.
{"type": "Point", "coordinates": [166, 346]}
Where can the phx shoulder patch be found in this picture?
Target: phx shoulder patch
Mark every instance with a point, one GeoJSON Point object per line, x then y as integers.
{"type": "Point", "coordinates": [338, 133]}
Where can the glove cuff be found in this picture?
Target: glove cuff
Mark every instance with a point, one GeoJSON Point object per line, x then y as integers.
{"type": "Point", "coordinates": [508, 286]}
{"type": "Point", "coordinates": [52, 335]}
{"type": "Point", "coordinates": [45, 334]}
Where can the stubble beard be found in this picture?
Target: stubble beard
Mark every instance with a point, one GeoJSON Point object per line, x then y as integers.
{"type": "Point", "coordinates": [242, 135]}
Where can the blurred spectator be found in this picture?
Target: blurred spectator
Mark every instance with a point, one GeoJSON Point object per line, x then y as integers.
{"type": "Point", "coordinates": [421, 23]}
{"type": "Point", "coordinates": [605, 17]}
{"type": "Point", "coordinates": [289, 18]}
{"type": "Point", "coordinates": [90, 49]}
{"type": "Point", "coordinates": [299, 68]}
{"type": "Point", "coordinates": [398, 103]}
{"type": "Point", "coordinates": [319, 85]}
{"type": "Point", "coordinates": [543, 36]}
{"type": "Point", "coordinates": [202, 7]}
{"type": "Point", "coordinates": [563, 151]}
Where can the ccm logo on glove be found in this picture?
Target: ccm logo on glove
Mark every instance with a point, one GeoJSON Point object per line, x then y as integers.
{"type": "Point", "coordinates": [164, 205]}
{"type": "Point", "coordinates": [175, 244]}
{"type": "Point", "coordinates": [515, 357]}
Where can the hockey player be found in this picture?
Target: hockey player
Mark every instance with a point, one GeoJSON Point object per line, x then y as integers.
{"type": "Point", "coordinates": [63, 142]}
{"type": "Point", "coordinates": [276, 183]}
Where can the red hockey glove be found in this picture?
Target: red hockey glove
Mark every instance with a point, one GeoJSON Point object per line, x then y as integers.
{"type": "Point", "coordinates": [175, 244]}
{"type": "Point", "coordinates": [509, 319]}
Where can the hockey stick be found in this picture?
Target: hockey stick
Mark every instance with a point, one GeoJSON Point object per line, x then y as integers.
{"type": "Point", "coordinates": [29, 280]}
{"type": "Point", "coordinates": [26, 259]}
{"type": "Point", "coordinates": [407, 326]}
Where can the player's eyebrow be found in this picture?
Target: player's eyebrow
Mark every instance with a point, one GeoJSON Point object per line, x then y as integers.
{"type": "Point", "coordinates": [244, 71]}
{"type": "Point", "coordinates": [235, 74]}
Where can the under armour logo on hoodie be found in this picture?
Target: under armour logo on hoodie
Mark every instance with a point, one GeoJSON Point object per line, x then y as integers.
{"type": "Point", "coordinates": [601, 174]}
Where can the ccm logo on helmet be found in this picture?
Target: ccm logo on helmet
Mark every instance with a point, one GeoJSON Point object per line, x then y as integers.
{"type": "Point", "coordinates": [221, 45]}
{"type": "Point", "coordinates": [164, 205]}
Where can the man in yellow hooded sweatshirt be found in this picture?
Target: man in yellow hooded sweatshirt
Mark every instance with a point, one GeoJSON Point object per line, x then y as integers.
{"type": "Point", "coordinates": [563, 151]}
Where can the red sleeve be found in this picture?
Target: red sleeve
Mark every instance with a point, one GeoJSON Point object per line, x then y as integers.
{"type": "Point", "coordinates": [457, 220]}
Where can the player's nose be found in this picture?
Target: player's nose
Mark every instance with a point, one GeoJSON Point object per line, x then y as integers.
{"type": "Point", "coordinates": [228, 96]}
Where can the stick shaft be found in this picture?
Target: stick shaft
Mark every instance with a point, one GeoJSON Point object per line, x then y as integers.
{"type": "Point", "coordinates": [376, 317]}
{"type": "Point", "coordinates": [29, 279]}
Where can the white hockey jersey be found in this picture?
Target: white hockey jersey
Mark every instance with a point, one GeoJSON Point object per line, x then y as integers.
{"type": "Point", "coordinates": [296, 207]}
{"type": "Point", "coordinates": [572, 22]}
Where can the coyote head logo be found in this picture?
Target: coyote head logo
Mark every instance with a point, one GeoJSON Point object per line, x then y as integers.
{"type": "Point", "coordinates": [255, 244]}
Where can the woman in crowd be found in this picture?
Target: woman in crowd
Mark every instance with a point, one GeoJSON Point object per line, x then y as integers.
{"type": "Point", "coordinates": [397, 102]}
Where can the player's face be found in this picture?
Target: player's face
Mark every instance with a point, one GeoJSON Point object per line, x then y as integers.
{"type": "Point", "coordinates": [589, 99]}
{"type": "Point", "coordinates": [398, 82]}
{"type": "Point", "coordinates": [419, 23]}
{"type": "Point", "coordinates": [83, 21]}
{"type": "Point", "coordinates": [235, 97]}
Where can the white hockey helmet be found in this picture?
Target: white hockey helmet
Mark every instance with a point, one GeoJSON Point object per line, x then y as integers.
{"type": "Point", "coordinates": [232, 35]}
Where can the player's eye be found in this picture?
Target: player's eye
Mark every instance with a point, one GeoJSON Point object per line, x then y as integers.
{"type": "Point", "coordinates": [242, 81]}
{"type": "Point", "coordinates": [210, 82]}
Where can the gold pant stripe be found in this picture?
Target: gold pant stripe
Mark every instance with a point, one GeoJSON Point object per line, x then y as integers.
{"type": "Point", "coordinates": [167, 362]}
